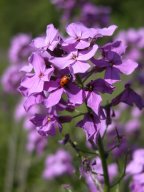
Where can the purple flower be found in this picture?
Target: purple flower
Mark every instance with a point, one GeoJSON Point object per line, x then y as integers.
{"type": "Point", "coordinates": [113, 63]}
{"type": "Point", "coordinates": [97, 168]}
{"type": "Point", "coordinates": [77, 61]}
{"type": "Point", "coordinates": [95, 16]}
{"type": "Point", "coordinates": [92, 125]}
{"type": "Point", "coordinates": [32, 100]}
{"type": "Point", "coordinates": [94, 175]}
{"type": "Point", "coordinates": [56, 89]}
{"type": "Point", "coordinates": [134, 40]}
{"type": "Point", "coordinates": [129, 97]}
{"type": "Point", "coordinates": [106, 31]}
{"type": "Point", "coordinates": [137, 163]}
{"type": "Point", "coordinates": [20, 112]}
{"type": "Point", "coordinates": [46, 124]}
{"type": "Point", "coordinates": [35, 142]}
{"type": "Point", "coordinates": [62, 4]}
{"type": "Point", "coordinates": [50, 41]}
{"type": "Point", "coordinates": [136, 185]}
{"type": "Point", "coordinates": [132, 126]}
{"type": "Point", "coordinates": [35, 82]}
{"type": "Point", "coordinates": [57, 165]}
{"type": "Point", "coordinates": [90, 183]}
{"type": "Point", "coordinates": [82, 37]}
{"type": "Point", "coordinates": [20, 49]}
{"type": "Point", "coordinates": [92, 95]}
{"type": "Point", "coordinates": [136, 113]}
{"type": "Point", "coordinates": [11, 79]}
{"type": "Point", "coordinates": [135, 169]}
{"type": "Point", "coordinates": [79, 35]}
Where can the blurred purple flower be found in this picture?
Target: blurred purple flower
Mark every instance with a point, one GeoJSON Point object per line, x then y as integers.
{"type": "Point", "coordinates": [35, 142]}
{"type": "Point", "coordinates": [95, 16]}
{"type": "Point", "coordinates": [20, 49]}
{"type": "Point", "coordinates": [11, 78]}
{"type": "Point", "coordinates": [58, 164]}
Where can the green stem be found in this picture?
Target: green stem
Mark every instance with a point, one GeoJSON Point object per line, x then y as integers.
{"type": "Point", "coordinates": [101, 152]}
{"type": "Point", "coordinates": [80, 114]}
{"type": "Point", "coordinates": [12, 152]}
{"type": "Point", "coordinates": [89, 74]}
{"type": "Point", "coordinates": [104, 165]}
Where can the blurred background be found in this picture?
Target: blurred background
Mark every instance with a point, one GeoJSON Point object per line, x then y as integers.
{"type": "Point", "coordinates": [32, 16]}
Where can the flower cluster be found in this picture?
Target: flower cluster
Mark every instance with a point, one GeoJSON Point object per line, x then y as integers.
{"type": "Point", "coordinates": [87, 12]}
{"type": "Point", "coordinates": [63, 77]}
{"type": "Point", "coordinates": [134, 40]}
{"type": "Point", "coordinates": [57, 77]}
{"type": "Point", "coordinates": [18, 54]}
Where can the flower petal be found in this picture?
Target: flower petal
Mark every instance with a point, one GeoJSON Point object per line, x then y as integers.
{"type": "Point", "coordinates": [127, 67]}
{"type": "Point", "coordinates": [54, 98]}
{"type": "Point", "coordinates": [80, 67]}
{"type": "Point", "coordinates": [62, 62]}
{"type": "Point", "coordinates": [38, 42]}
{"type": "Point", "coordinates": [88, 54]}
{"type": "Point", "coordinates": [112, 75]}
{"type": "Point", "coordinates": [27, 68]}
{"type": "Point", "coordinates": [107, 31]}
{"type": "Point", "coordinates": [74, 94]}
{"type": "Point", "coordinates": [37, 86]}
{"type": "Point", "coordinates": [51, 33]}
{"type": "Point", "coordinates": [94, 101]}
{"type": "Point", "coordinates": [38, 63]}
{"type": "Point", "coordinates": [82, 44]}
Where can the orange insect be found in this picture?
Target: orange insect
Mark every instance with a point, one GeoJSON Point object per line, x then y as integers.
{"type": "Point", "coordinates": [65, 80]}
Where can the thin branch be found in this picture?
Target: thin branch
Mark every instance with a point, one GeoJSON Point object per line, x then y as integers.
{"type": "Point", "coordinates": [105, 132]}
{"type": "Point", "coordinates": [104, 164]}
{"type": "Point", "coordinates": [89, 74]}
{"type": "Point", "coordinates": [96, 181]}
{"type": "Point", "coordinates": [75, 116]}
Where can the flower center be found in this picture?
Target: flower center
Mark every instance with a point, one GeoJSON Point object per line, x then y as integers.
{"type": "Point", "coordinates": [41, 75]}
{"type": "Point", "coordinates": [89, 87]}
{"type": "Point", "coordinates": [49, 119]}
{"type": "Point", "coordinates": [111, 64]}
{"type": "Point", "coordinates": [74, 56]}
{"type": "Point", "coordinates": [78, 38]}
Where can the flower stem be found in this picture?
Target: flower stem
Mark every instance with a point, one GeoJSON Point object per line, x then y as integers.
{"type": "Point", "coordinates": [101, 152]}
{"type": "Point", "coordinates": [12, 152]}
{"type": "Point", "coordinates": [104, 165]}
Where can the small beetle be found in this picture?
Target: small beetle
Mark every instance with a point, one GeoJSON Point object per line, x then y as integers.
{"type": "Point", "coordinates": [64, 80]}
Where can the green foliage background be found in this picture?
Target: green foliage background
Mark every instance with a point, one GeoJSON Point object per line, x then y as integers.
{"type": "Point", "coordinates": [32, 16]}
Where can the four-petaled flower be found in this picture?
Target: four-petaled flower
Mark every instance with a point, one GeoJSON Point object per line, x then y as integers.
{"type": "Point", "coordinates": [35, 82]}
